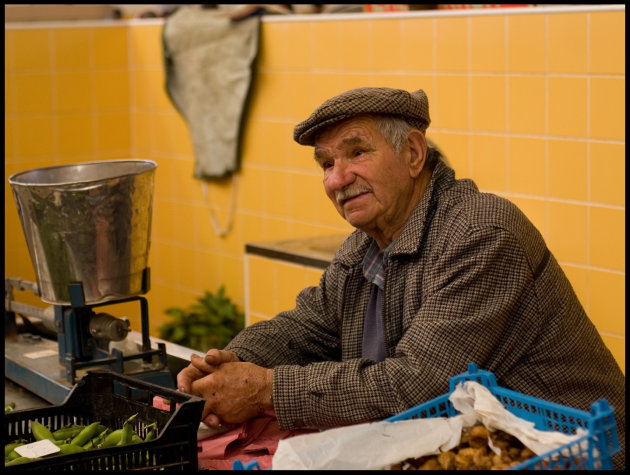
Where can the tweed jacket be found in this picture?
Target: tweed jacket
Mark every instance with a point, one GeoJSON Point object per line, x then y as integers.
{"type": "Point", "coordinates": [469, 279]}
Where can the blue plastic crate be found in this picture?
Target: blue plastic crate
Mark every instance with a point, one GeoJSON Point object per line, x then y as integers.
{"type": "Point", "coordinates": [600, 444]}
{"type": "Point", "coordinates": [253, 465]}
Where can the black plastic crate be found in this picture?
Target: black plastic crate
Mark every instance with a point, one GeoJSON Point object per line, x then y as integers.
{"type": "Point", "coordinates": [111, 398]}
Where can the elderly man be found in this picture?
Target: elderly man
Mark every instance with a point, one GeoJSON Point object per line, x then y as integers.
{"type": "Point", "coordinates": [435, 276]}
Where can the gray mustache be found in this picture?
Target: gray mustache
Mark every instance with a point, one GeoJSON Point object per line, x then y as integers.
{"type": "Point", "coordinates": [348, 193]}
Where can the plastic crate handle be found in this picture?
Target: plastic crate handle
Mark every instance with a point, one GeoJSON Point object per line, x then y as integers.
{"type": "Point", "coordinates": [601, 408]}
{"type": "Point", "coordinates": [474, 374]}
{"type": "Point", "coordinates": [253, 465]}
{"type": "Point", "coordinates": [603, 423]}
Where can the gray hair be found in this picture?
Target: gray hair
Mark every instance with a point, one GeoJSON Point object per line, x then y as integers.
{"type": "Point", "coordinates": [395, 131]}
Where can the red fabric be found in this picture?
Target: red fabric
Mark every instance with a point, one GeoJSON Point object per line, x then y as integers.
{"type": "Point", "coordinates": [256, 439]}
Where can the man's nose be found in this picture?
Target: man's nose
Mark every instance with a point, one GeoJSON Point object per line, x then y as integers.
{"type": "Point", "coordinates": [340, 175]}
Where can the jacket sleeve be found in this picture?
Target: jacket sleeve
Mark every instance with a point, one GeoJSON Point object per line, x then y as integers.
{"type": "Point", "coordinates": [307, 333]}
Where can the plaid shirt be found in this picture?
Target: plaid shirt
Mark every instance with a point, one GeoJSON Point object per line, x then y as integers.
{"type": "Point", "coordinates": [374, 264]}
{"type": "Point", "coordinates": [469, 279]}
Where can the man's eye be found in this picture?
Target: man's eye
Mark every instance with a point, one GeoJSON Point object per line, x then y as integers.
{"type": "Point", "coordinates": [357, 152]}
{"type": "Point", "coordinates": [326, 165]}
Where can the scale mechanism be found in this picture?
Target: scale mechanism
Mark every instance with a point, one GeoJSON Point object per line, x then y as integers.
{"type": "Point", "coordinates": [51, 369]}
{"type": "Point", "coordinates": [87, 226]}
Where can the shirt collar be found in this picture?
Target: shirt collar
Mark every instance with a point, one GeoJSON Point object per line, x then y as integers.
{"type": "Point", "coordinates": [374, 264]}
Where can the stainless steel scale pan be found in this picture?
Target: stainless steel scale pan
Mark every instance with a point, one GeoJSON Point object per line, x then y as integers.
{"type": "Point", "coordinates": [87, 222]}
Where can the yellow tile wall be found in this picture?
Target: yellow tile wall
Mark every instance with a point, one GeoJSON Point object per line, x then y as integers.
{"type": "Point", "coordinates": [272, 285]}
{"type": "Point", "coordinates": [67, 100]}
{"type": "Point", "coordinates": [530, 103]}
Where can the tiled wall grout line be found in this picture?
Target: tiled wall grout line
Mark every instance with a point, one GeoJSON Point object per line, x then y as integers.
{"type": "Point", "coordinates": [54, 86]}
{"type": "Point", "coordinates": [508, 160]}
{"type": "Point", "coordinates": [546, 72]}
{"type": "Point", "coordinates": [608, 270]}
{"type": "Point", "coordinates": [551, 199]}
{"type": "Point", "coordinates": [12, 95]}
{"type": "Point", "coordinates": [471, 161]}
{"type": "Point", "coordinates": [613, 334]}
{"type": "Point", "coordinates": [442, 13]}
{"type": "Point", "coordinates": [132, 91]}
{"type": "Point", "coordinates": [588, 166]}
{"type": "Point", "coordinates": [94, 109]}
{"type": "Point", "coordinates": [246, 283]}
{"type": "Point", "coordinates": [335, 16]}
{"type": "Point", "coordinates": [434, 53]}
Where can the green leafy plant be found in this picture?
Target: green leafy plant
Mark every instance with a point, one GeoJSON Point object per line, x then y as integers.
{"type": "Point", "coordinates": [211, 323]}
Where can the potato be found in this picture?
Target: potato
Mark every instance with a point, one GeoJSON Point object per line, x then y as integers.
{"type": "Point", "coordinates": [474, 453]}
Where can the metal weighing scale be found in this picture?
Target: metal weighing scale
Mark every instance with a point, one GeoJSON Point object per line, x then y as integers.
{"type": "Point", "coordinates": [87, 227]}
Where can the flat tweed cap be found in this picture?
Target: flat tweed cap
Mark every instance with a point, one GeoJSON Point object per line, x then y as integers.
{"type": "Point", "coordinates": [411, 106]}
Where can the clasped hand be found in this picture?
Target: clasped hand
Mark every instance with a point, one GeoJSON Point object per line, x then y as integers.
{"type": "Point", "coordinates": [234, 391]}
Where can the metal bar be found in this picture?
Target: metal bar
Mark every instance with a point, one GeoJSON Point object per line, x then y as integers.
{"type": "Point", "coordinates": [104, 361]}
{"type": "Point", "coordinates": [45, 387]}
{"type": "Point", "coordinates": [21, 284]}
{"type": "Point", "coordinates": [46, 314]}
{"type": "Point", "coordinates": [144, 311]}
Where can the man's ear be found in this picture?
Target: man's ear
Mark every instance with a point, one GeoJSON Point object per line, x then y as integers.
{"type": "Point", "coordinates": [417, 152]}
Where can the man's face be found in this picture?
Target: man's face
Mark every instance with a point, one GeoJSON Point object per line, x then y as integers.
{"type": "Point", "coordinates": [368, 183]}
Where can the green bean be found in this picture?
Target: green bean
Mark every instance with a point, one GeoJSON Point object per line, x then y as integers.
{"type": "Point", "coordinates": [127, 429]}
{"type": "Point", "coordinates": [151, 432]}
{"type": "Point", "coordinates": [112, 439]}
{"type": "Point", "coordinates": [125, 438]}
{"type": "Point", "coordinates": [68, 432]}
{"type": "Point", "coordinates": [41, 432]}
{"type": "Point", "coordinates": [19, 460]}
{"type": "Point", "coordinates": [12, 455]}
{"type": "Point", "coordinates": [11, 446]}
{"type": "Point", "coordinates": [86, 434]}
{"type": "Point", "coordinates": [93, 443]}
{"type": "Point", "coordinates": [70, 449]}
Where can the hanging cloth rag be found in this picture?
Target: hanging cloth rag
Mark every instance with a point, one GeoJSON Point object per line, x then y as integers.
{"type": "Point", "coordinates": [209, 63]}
